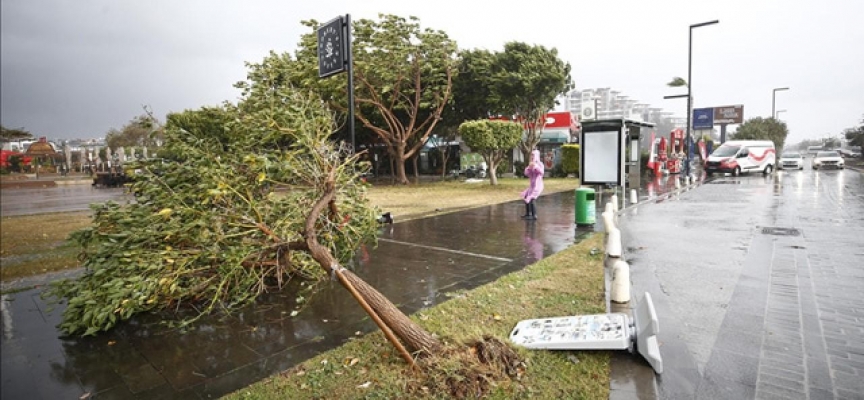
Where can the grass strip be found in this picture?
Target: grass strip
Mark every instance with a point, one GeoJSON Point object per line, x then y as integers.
{"type": "Point", "coordinates": [567, 283]}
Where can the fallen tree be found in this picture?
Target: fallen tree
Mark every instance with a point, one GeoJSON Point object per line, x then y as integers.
{"type": "Point", "coordinates": [254, 195]}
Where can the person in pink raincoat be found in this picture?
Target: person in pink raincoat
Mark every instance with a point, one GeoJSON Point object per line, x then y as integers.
{"type": "Point", "coordinates": [534, 171]}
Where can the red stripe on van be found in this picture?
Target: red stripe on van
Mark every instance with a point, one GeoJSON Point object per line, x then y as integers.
{"type": "Point", "coordinates": [762, 157]}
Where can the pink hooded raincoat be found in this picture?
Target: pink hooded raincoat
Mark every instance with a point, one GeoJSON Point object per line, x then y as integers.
{"type": "Point", "coordinates": [535, 175]}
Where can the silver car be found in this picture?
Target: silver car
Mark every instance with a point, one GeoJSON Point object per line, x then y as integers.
{"type": "Point", "coordinates": [828, 159]}
{"type": "Point", "coordinates": [791, 160]}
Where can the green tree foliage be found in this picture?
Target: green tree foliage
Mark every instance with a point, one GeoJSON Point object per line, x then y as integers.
{"type": "Point", "coordinates": [7, 134]}
{"type": "Point", "coordinates": [208, 229]}
{"type": "Point", "coordinates": [763, 129]}
{"type": "Point", "coordinates": [403, 80]}
{"type": "Point", "coordinates": [527, 80]}
{"type": "Point", "coordinates": [492, 139]}
{"type": "Point", "coordinates": [473, 87]}
{"type": "Point", "coordinates": [855, 135]}
{"type": "Point", "coordinates": [677, 82]}
{"type": "Point", "coordinates": [570, 154]}
{"type": "Point", "coordinates": [142, 130]}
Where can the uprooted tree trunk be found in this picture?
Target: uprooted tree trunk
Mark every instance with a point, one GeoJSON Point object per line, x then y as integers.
{"type": "Point", "coordinates": [417, 339]}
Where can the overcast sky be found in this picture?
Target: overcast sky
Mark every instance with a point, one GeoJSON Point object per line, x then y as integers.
{"type": "Point", "coordinates": [77, 68]}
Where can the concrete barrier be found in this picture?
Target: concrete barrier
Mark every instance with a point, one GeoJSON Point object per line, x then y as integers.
{"type": "Point", "coordinates": [608, 221]}
{"type": "Point", "coordinates": [613, 243]}
{"type": "Point", "coordinates": [620, 288]}
{"type": "Point", "coordinates": [614, 202]}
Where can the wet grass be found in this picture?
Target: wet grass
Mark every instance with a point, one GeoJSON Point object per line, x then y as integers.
{"type": "Point", "coordinates": [38, 244]}
{"type": "Point", "coordinates": [434, 198]}
{"type": "Point", "coordinates": [567, 283]}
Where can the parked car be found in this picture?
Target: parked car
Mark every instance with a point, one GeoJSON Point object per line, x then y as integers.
{"type": "Point", "coordinates": [791, 160]}
{"type": "Point", "coordinates": [828, 159]}
{"type": "Point", "coordinates": [846, 153]}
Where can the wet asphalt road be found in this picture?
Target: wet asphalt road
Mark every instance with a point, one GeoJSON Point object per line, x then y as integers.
{"type": "Point", "coordinates": [72, 196]}
{"type": "Point", "coordinates": [759, 286]}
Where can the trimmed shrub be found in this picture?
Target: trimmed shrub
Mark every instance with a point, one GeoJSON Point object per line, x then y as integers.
{"type": "Point", "coordinates": [570, 154]}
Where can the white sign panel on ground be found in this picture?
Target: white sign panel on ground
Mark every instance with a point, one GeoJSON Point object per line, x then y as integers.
{"type": "Point", "coordinates": [601, 153]}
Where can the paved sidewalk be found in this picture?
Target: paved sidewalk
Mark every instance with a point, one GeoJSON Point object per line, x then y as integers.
{"type": "Point", "coordinates": [757, 282]}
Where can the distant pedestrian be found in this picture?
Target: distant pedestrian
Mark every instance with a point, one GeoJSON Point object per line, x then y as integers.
{"type": "Point", "coordinates": [534, 171]}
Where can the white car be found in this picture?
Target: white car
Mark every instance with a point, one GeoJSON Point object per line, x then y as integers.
{"type": "Point", "coordinates": [791, 160]}
{"type": "Point", "coordinates": [828, 159]}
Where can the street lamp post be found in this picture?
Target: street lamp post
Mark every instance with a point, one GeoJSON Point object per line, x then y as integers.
{"type": "Point", "coordinates": [773, 99]}
{"type": "Point", "coordinates": [777, 114]}
{"type": "Point", "coordinates": [690, 89]}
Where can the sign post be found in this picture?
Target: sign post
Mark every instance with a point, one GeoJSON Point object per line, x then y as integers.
{"type": "Point", "coordinates": [334, 56]}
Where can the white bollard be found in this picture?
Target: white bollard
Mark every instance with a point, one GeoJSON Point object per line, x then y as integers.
{"type": "Point", "coordinates": [634, 197]}
{"type": "Point", "coordinates": [620, 282]}
{"type": "Point", "coordinates": [677, 183]}
{"type": "Point", "coordinates": [614, 202]}
{"type": "Point", "coordinates": [608, 221]}
{"type": "Point", "coordinates": [613, 243]}
{"type": "Point", "coordinates": [609, 208]}
{"type": "Point", "coordinates": [687, 180]}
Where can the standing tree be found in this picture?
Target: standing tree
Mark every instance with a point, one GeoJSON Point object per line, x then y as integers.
{"type": "Point", "coordinates": [7, 134]}
{"type": "Point", "coordinates": [209, 230]}
{"type": "Point", "coordinates": [763, 129]}
{"type": "Point", "coordinates": [492, 139]}
{"type": "Point", "coordinates": [855, 135]}
{"type": "Point", "coordinates": [403, 79]}
{"type": "Point", "coordinates": [527, 81]}
{"type": "Point", "coordinates": [142, 130]}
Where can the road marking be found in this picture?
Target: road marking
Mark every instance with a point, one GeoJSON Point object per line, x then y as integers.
{"type": "Point", "coordinates": [446, 250]}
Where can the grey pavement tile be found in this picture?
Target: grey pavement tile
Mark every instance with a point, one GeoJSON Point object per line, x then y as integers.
{"type": "Point", "coordinates": [778, 371]}
{"type": "Point", "coordinates": [843, 394]}
{"type": "Point", "coordinates": [120, 392]}
{"type": "Point", "coordinates": [820, 394]}
{"type": "Point", "coordinates": [819, 376]}
{"type": "Point", "coordinates": [848, 381]}
{"type": "Point", "coordinates": [740, 342]}
{"type": "Point", "coordinates": [710, 389]}
{"type": "Point", "coordinates": [731, 366]}
{"type": "Point", "coordinates": [141, 378]}
{"type": "Point", "coordinates": [796, 385]}
{"type": "Point", "coordinates": [221, 385]}
{"type": "Point", "coordinates": [97, 380]}
{"type": "Point", "coordinates": [770, 389]}
{"type": "Point", "coordinates": [182, 375]}
{"type": "Point", "coordinates": [737, 323]}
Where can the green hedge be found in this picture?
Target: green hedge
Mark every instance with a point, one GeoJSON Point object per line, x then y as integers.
{"type": "Point", "coordinates": [570, 158]}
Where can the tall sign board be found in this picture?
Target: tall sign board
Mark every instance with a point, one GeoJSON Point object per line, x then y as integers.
{"type": "Point", "coordinates": [334, 56]}
{"type": "Point", "coordinates": [728, 115]}
{"type": "Point", "coordinates": [703, 118]}
{"type": "Point", "coordinates": [331, 48]}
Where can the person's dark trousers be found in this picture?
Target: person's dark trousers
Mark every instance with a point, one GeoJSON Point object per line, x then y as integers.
{"type": "Point", "coordinates": [530, 210]}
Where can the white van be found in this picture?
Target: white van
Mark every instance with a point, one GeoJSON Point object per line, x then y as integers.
{"type": "Point", "coordinates": [737, 156]}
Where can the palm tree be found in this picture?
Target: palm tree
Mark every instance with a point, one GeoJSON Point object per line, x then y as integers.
{"type": "Point", "coordinates": [677, 82]}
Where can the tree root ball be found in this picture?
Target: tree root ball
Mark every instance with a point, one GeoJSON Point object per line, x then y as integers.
{"type": "Point", "coordinates": [467, 371]}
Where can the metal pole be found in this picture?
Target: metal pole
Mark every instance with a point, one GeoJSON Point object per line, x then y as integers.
{"type": "Point", "coordinates": [688, 139]}
{"type": "Point", "coordinates": [689, 94]}
{"type": "Point", "coordinates": [350, 59]}
{"type": "Point", "coordinates": [773, 101]}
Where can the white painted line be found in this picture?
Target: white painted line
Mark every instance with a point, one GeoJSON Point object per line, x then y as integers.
{"type": "Point", "coordinates": [447, 250]}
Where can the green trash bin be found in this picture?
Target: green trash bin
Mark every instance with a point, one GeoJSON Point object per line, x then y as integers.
{"type": "Point", "coordinates": [585, 209]}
